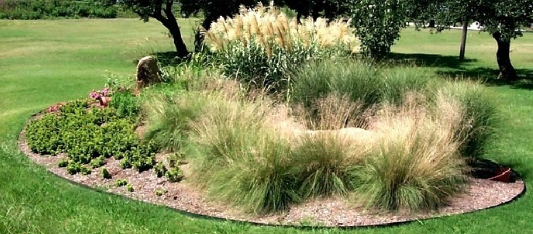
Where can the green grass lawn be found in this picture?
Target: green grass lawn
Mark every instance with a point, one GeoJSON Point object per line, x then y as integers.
{"type": "Point", "coordinates": [44, 62]}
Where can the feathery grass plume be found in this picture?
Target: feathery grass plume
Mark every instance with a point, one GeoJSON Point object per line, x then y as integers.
{"type": "Point", "coordinates": [261, 46]}
{"type": "Point", "coordinates": [415, 164]}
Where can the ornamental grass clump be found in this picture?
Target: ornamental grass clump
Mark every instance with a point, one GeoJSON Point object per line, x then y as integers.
{"type": "Point", "coordinates": [360, 81]}
{"type": "Point", "coordinates": [241, 160]}
{"type": "Point", "coordinates": [415, 163]}
{"type": "Point", "coordinates": [261, 46]}
{"type": "Point", "coordinates": [480, 116]}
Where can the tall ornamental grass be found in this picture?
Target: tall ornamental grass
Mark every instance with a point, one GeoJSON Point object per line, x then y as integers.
{"type": "Point", "coordinates": [263, 156]}
{"type": "Point", "coordinates": [358, 81]}
{"type": "Point", "coordinates": [415, 163]}
{"type": "Point", "coordinates": [261, 46]}
{"type": "Point", "coordinates": [242, 161]}
{"type": "Point", "coordinates": [480, 115]}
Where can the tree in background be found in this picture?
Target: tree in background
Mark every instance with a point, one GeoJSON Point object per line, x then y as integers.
{"type": "Point", "coordinates": [377, 24]}
{"type": "Point", "coordinates": [160, 10]}
{"type": "Point", "coordinates": [329, 9]}
{"type": "Point", "coordinates": [503, 19]}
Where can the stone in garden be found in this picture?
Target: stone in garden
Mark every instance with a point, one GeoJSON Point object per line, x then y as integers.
{"type": "Point", "coordinates": [147, 72]}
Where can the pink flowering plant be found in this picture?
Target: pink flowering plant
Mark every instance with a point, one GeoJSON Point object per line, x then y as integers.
{"type": "Point", "coordinates": [99, 94]}
{"type": "Point", "coordinates": [102, 96]}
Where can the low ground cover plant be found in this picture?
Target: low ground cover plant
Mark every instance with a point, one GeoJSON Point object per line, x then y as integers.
{"type": "Point", "coordinates": [88, 133]}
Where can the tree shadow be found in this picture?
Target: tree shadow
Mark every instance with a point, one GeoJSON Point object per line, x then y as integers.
{"type": "Point", "coordinates": [428, 60]}
{"type": "Point", "coordinates": [169, 58]}
{"type": "Point", "coordinates": [489, 76]}
{"type": "Point", "coordinates": [453, 68]}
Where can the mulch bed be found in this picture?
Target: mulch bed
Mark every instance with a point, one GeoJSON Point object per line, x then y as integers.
{"type": "Point", "coordinates": [328, 212]}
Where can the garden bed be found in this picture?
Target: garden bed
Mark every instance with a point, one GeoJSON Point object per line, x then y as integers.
{"type": "Point", "coordinates": [331, 211]}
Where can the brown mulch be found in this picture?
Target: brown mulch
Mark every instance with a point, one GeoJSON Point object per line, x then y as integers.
{"type": "Point", "coordinates": [481, 194]}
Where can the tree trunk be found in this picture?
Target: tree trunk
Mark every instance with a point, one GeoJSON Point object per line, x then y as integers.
{"type": "Point", "coordinates": [431, 24]}
{"type": "Point", "coordinates": [171, 23]}
{"type": "Point", "coordinates": [181, 48]}
{"type": "Point", "coordinates": [174, 29]}
{"type": "Point", "coordinates": [463, 41]}
{"type": "Point", "coordinates": [316, 13]}
{"type": "Point", "coordinates": [199, 36]}
{"type": "Point", "coordinates": [507, 71]}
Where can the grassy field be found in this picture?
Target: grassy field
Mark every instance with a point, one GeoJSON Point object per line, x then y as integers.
{"type": "Point", "coordinates": [44, 62]}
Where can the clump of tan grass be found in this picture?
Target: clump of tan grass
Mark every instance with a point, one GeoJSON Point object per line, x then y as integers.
{"type": "Point", "coordinates": [416, 162]}
{"type": "Point", "coordinates": [261, 156]}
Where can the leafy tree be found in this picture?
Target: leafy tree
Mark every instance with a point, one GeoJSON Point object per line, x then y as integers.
{"type": "Point", "coordinates": [327, 8]}
{"type": "Point", "coordinates": [378, 24]}
{"type": "Point", "coordinates": [503, 19]}
{"type": "Point", "coordinates": [160, 10]}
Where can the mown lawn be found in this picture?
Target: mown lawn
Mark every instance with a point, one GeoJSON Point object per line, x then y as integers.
{"type": "Point", "coordinates": [44, 62]}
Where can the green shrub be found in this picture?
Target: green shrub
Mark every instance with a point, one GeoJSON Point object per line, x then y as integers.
{"type": "Point", "coordinates": [73, 168]}
{"type": "Point", "coordinates": [130, 188]}
{"type": "Point", "coordinates": [44, 9]}
{"type": "Point", "coordinates": [126, 104]}
{"type": "Point", "coordinates": [63, 163]}
{"type": "Point", "coordinates": [121, 182]}
{"type": "Point", "coordinates": [174, 174]}
{"type": "Point", "coordinates": [43, 135]}
{"type": "Point", "coordinates": [160, 192]}
{"type": "Point", "coordinates": [105, 173]}
{"type": "Point", "coordinates": [88, 135]}
{"type": "Point", "coordinates": [85, 170]}
{"type": "Point", "coordinates": [378, 23]}
{"type": "Point", "coordinates": [160, 169]}
{"type": "Point", "coordinates": [125, 163]}
{"type": "Point", "coordinates": [97, 162]}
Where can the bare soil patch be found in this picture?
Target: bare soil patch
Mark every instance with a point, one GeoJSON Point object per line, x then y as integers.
{"type": "Point", "coordinates": [331, 212]}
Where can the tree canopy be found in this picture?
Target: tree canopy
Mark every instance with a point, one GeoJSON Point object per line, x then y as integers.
{"type": "Point", "coordinates": [315, 8]}
{"type": "Point", "coordinates": [161, 10]}
{"type": "Point", "coordinates": [378, 23]}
